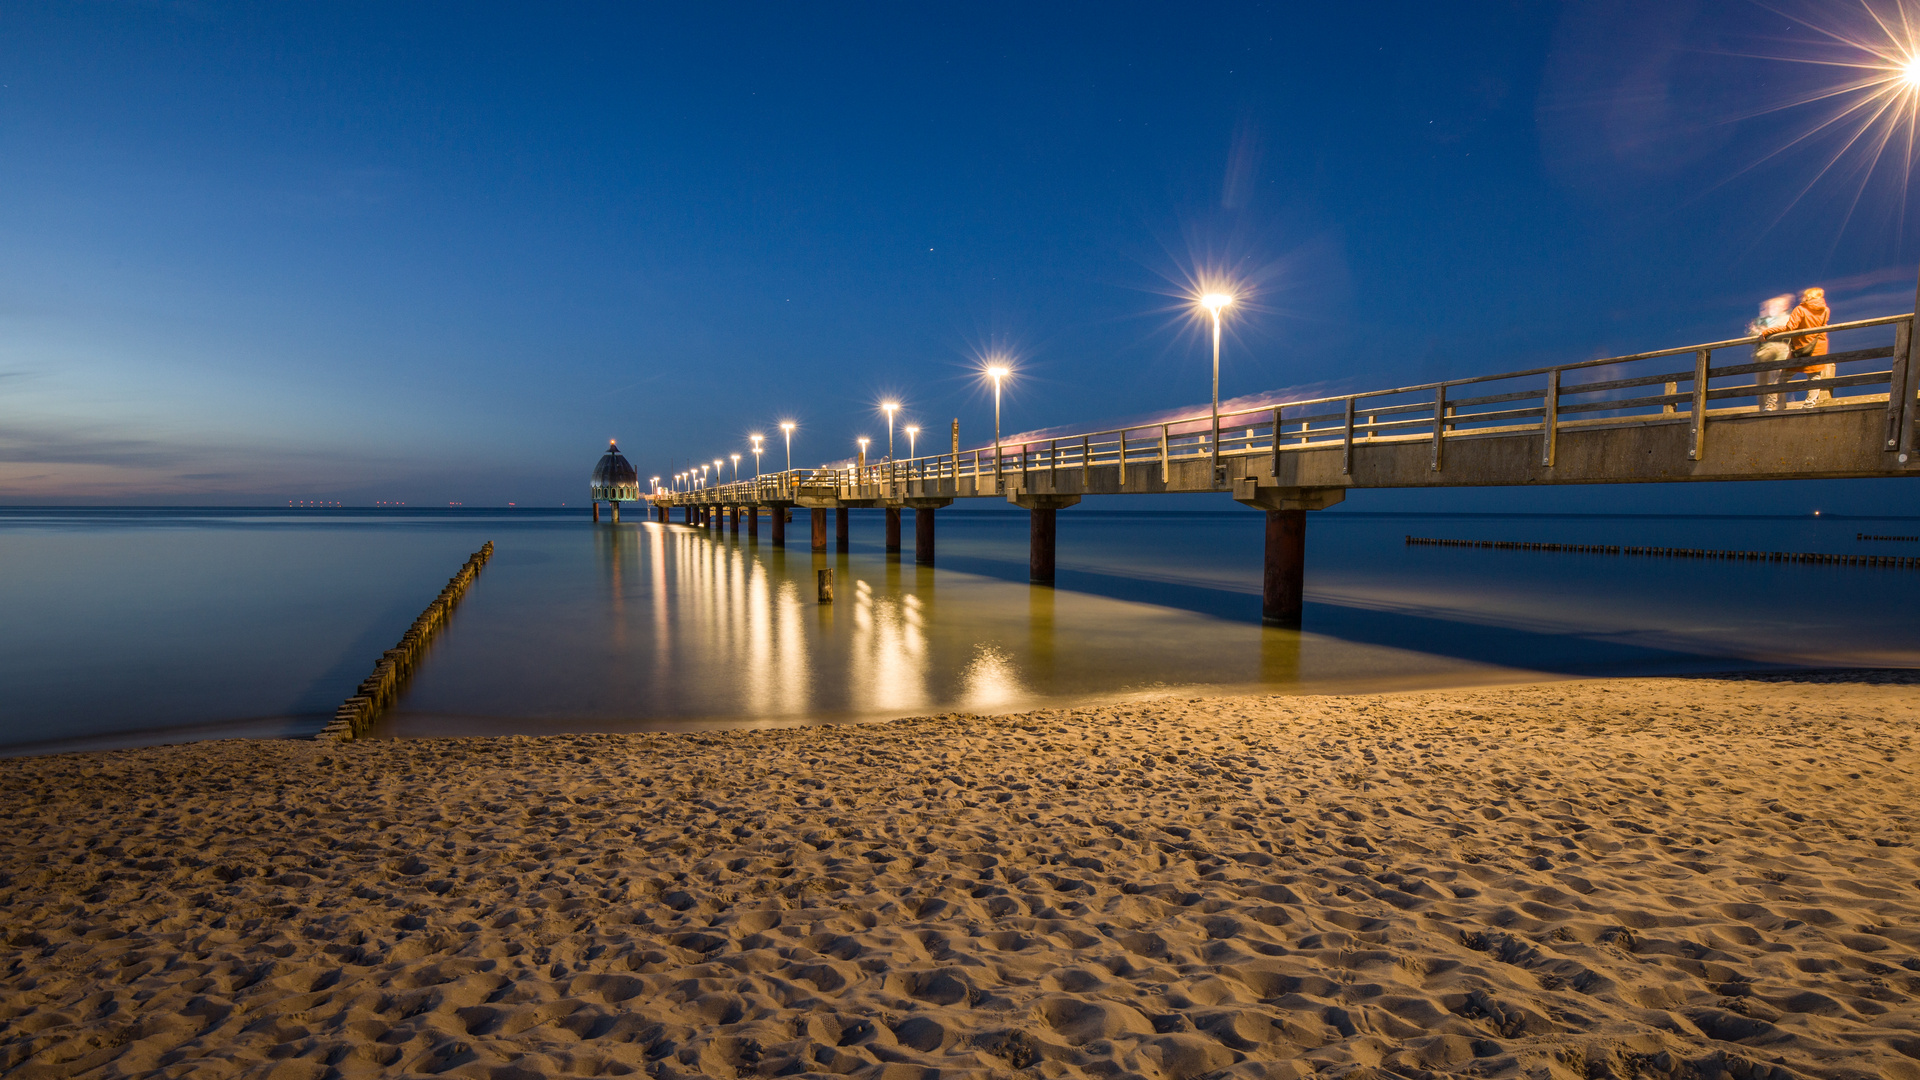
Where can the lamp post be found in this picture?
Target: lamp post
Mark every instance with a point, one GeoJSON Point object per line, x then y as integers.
{"type": "Point", "coordinates": [889, 407]}
{"type": "Point", "coordinates": [912, 430]}
{"type": "Point", "coordinates": [1213, 302]}
{"type": "Point", "coordinates": [703, 476]}
{"type": "Point", "coordinates": [736, 467]}
{"type": "Point", "coordinates": [863, 440]}
{"type": "Point", "coordinates": [997, 372]}
{"type": "Point", "coordinates": [654, 482]}
{"type": "Point", "coordinates": [756, 454]}
{"type": "Point", "coordinates": [787, 427]}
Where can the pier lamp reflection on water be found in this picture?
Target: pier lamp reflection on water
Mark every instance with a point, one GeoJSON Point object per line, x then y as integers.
{"type": "Point", "coordinates": [684, 628]}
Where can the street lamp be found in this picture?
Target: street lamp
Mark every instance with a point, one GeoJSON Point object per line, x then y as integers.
{"type": "Point", "coordinates": [655, 482]}
{"type": "Point", "coordinates": [912, 430]}
{"type": "Point", "coordinates": [756, 454]}
{"type": "Point", "coordinates": [736, 467]}
{"type": "Point", "coordinates": [787, 426]}
{"type": "Point", "coordinates": [863, 440]}
{"type": "Point", "coordinates": [997, 372]}
{"type": "Point", "coordinates": [703, 476]}
{"type": "Point", "coordinates": [890, 407]}
{"type": "Point", "coordinates": [1213, 302]}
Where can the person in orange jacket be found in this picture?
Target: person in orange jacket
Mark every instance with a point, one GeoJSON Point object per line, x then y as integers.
{"type": "Point", "coordinates": [1811, 313]}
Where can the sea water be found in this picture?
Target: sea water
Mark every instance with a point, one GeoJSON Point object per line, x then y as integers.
{"type": "Point", "coordinates": [122, 627]}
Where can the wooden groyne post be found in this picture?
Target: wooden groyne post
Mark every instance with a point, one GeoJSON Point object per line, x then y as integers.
{"type": "Point", "coordinates": [378, 691]}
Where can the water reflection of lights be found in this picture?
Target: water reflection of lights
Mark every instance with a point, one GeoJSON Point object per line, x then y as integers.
{"type": "Point", "coordinates": [990, 680]}
{"type": "Point", "coordinates": [888, 654]}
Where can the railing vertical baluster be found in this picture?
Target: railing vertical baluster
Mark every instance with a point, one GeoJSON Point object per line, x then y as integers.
{"type": "Point", "coordinates": [1550, 418]}
{"type": "Point", "coordinates": [1671, 389]}
{"type": "Point", "coordinates": [1439, 423]}
{"type": "Point", "coordinates": [1276, 443]}
{"type": "Point", "coordinates": [1166, 470]}
{"type": "Point", "coordinates": [1899, 390]}
{"type": "Point", "coordinates": [1701, 362]}
{"type": "Point", "coordinates": [1053, 463]}
{"type": "Point", "coordinates": [1346, 449]}
{"type": "Point", "coordinates": [1086, 462]}
{"type": "Point", "coordinates": [1123, 459]}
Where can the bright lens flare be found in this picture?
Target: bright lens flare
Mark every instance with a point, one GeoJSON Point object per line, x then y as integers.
{"type": "Point", "coordinates": [1214, 301]}
{"type": "Point", "coordinates": [1869, 112]}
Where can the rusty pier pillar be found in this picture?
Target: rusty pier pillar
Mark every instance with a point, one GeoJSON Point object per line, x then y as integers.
{"type": "Point", "coordinates": [923, 528]}
{"type": "Point", "coordinates": [819, 530]}
{"type": "Point", "coordinates": [753, 522]}
{"type": "Point", "coordinates": [779, 523]}
{"type": "Point", "coordinates": [839, 528]}
{"type": "Point", "coordinates": [893, 530]}
{"type": "Point", "coordinates": [1283, 577]}
{"type": "Point", "coordinates": [1041, 511]}
{"type": "Point", "coordinates": [596, 509]}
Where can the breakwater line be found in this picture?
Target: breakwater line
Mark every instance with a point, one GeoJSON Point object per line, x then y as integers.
{"type": "Point", "coordinates": [380, 689]}
{"type": "Point", "coordinates": [1871, 536]}
{"type": "Point", "coordinates": [1895, 562]}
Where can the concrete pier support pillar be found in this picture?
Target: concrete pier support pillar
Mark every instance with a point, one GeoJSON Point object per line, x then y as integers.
{"type": "Point", "coordinates": [819, 530]}
{"type": "Point", "coordinates": [1041, 510]}
{"type": "Point", "coordinates": [923, 528]}
{"type": "Point", "coordinates": [616, 512]}
{"type": "Point", "coordinates": [893, 530]}
{"type": "Point", "coordinates": [779, 522]}
{"type": "Point", "coordinates": [596, 509]}
{"type": "Point", "coordinates": [686, 515]}
{"type": "Point", "coordinates": [1283, 580]}
{"type": "Point", "coordinates": [1283, 584]}
{"type": "Point", "coordinates": [923, 535]}
{"type": "Point", "coordinates": [733, 520]}
{"type": "Point", "coordinates": [753, 522]}
{"type": "Point", "coordinates": [1040, 522]}
{"type": "Point", "coordinates": [840, 528]}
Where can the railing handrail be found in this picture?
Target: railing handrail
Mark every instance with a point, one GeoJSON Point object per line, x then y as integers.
{"type": "Point", "coordinates": [890, 471]}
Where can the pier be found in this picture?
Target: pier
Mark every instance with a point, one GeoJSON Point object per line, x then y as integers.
{"type": "Point", "coordinates": [1686, 414]}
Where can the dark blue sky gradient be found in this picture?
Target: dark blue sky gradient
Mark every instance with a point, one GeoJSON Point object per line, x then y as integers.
{"type": "Point", "coordinates": [432, 253]}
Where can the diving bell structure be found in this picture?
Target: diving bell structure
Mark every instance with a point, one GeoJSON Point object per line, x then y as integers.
{"type": "Point", "coordinates": [615, 480]}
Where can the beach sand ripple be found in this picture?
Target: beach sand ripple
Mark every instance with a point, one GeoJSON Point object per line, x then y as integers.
{"type": "Point", "coordinates": [1661, 878]}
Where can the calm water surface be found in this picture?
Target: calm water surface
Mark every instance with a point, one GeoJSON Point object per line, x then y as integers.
{"type": "Point", "coordinates": [132, 626]}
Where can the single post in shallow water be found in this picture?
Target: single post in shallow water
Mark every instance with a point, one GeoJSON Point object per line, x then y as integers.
{"type": "Point", "coordinates": [778, 519]}
{"type": "Point", "coordinates": [596, 509]}
{"type": "Point", "coordinates": [819, 529]}
{"type": "Point", "coordinates": [825, 575]}
{"type": "Point", "coordinates": [893, 530]}
{"type": "Point", "coordinates": [616, 510]}
{"type": "Point", "coordinates": [839, 528]}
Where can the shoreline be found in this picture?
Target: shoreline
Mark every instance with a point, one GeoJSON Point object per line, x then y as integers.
{"type": "Point", "coordinates": [1689, 876]}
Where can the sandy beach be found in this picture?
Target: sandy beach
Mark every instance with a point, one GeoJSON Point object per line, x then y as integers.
{"type": "Point", "coordinates": [1654, 877]}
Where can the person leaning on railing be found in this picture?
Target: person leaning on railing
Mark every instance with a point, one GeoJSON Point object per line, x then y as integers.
{"type": "Point", "coordinates": [1811, 313]}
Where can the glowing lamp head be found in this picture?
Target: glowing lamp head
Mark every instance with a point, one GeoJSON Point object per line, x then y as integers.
{"type": "Point", "coordinates": [786, 426]}
{"type": "Point", "coordinates": [913, 429]}
{"type": "Point", "coordinates": [996, 372]}
{"type": "Point", "coordinates": [1214, 301]}
{"type": "Point", "coordinates": [863, 441]}
{"type": "Point", "coordinates": [1910, 72]}
{"type": "Point", "coordinates": [889, 406]}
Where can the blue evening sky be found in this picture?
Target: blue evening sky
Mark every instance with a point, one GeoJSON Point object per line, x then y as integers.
{"type": "Point", "coordinates": [441, 252]}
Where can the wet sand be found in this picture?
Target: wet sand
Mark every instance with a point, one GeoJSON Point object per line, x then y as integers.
{"type": "Point", "coordinates": [1652, 877]}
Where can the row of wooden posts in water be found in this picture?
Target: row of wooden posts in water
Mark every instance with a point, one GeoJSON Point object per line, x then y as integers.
{"type": "Point", "coordinates": [1903, 562]}
{"type": "Point", "coordinates": [379, 690]}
